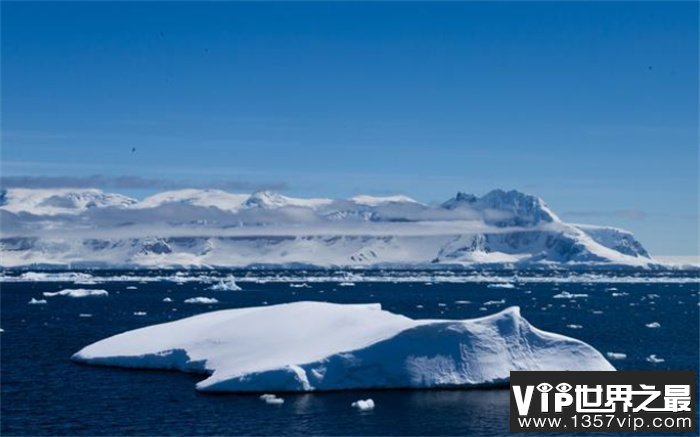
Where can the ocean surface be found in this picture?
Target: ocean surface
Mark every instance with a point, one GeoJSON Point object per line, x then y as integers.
{"type": "Point", "coordinates": [44, 393]}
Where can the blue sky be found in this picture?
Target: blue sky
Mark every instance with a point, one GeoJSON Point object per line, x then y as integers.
{"type": "Point", "coordinates": [592, 106]}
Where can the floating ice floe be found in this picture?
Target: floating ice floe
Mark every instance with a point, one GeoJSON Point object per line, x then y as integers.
{"type": "Point", "coordinates": [167, 299]}
{"type": "Point", "coordinates": [653, 325]}
{"type": "Point", "coordinates": [131, 287]}
{"type": "Point", "coordinates": [567, 295]}
{"type": "Point", "coordinates": [654, 359]}
{"type": "Point", "coordinates": [621, 294]}
{"type": "Point", "coordinates": [84, 315]}
{"type": "Point", "coordinates": [202, 300]}
{"type": "Point", "coordinates": [271, 399]}
{"type": "Point", "coordinates": [347, 284]}
{"type": "Point", "coordinates": [501, 285]}
{"type": "Point", "coordinates": [494, 302]}
{"type": "Point", "coordinates": [574, 326]}
{"type": "Point", "coordinates": [227, 284]}
{"type": "Point", "coordinates": [390, 277]}
{"type": "Point", "coordinates": [302, 285]}
{"type": "Point", "coordinates": [615, 355]}
{"type": "Point", "coordinates": [77, 292]}
{"type": "Point", "coordinates": [316, 346]}
{"type": "Point", "coordinates": [37, 302]}
{"type": "Point", "coordinates": [462, 302]}
{"type": "Point", "coordinates": [363, 404]}
{"type": "Point", "coordinates": [139, 313]}
{"type": "Point", "coordinates": [50, 277]}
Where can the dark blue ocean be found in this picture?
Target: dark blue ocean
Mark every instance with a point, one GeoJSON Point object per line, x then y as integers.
{"type": "Point", "coordinates": [44, 393]}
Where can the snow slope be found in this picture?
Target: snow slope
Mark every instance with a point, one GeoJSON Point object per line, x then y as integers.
{"type": "Point", "coordinates": [216, 228]}
{"type": "Point", "coordinates": [59, 201]}
{"type": "Point", "coordinates": [204, 198]}
{"type": "Point", "coordinates": [307, 346]}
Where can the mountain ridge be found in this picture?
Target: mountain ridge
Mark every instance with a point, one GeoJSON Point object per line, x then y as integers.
{"type": "Point", "coordinates": [213, 227]}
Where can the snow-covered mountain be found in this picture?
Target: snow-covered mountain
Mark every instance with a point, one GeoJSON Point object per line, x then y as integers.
{"type": "Point", "coordinates": [217, 228]}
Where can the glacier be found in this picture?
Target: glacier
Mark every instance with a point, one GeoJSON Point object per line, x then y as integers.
{"type": "Point", "coordinates": [318, 346]}
{"type": "Point", "coordinates": [213, 228]}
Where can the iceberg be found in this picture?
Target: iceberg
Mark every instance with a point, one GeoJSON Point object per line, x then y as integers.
{"type": "Point", "coordinates": [317, 346]}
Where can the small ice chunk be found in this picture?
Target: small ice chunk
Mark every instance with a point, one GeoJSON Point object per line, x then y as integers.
{"type": "Point", "coordinates": [77, 292]}
{"type": "Point", "coordinates": [620, 294]}
{"type": "Point", "coordinates": [501, 285]}
{"type": "Point", "coordinates": [302, 285]}
{"type": "Point", "coordinates": [616, 355]}
{"type": "Point", "coordinates": [271, 399]}
{"type": "Point", "coordinates": [139, 313]}
{"type": "Point", "coordinates": [84, 315]}
{"type": "Point", "coordinates": [131, 287]}
{"type": "Point", "coordinates": [226, 284]}
{"type": "Point", "coordinates": [274, 401]}
{"type": "Point", "coordinates": [654, 359]}
{"type": "Point", "coordinates": [201, 300]}
{"type": "Point", "coordinates": [574, 326]}
{"type": "Point", "coordinates": [567, 295]}
{"type": "Point", "coordinates": [167, 299]}
{"type": "Point", "coordinates": [364, 404]}
{"type": "Point", "coordinates": [653, 325]}
{"type": "Point", "coordinates": [442, 305]}
{"type": "Point", "coordinates": [37, 302]}
{"type": "Point", "coordinates": [347, 284]}
{"type": "Point", "coordinates": [494, 302]}
{"type": "Point", "coordinates": [462, 302]}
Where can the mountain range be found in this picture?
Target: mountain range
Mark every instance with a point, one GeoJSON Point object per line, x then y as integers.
{"type": "Point", "coordinates": [214, 228]}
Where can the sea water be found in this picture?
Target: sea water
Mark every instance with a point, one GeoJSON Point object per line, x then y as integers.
{"type": "Point", "coordinates": [44, 393]}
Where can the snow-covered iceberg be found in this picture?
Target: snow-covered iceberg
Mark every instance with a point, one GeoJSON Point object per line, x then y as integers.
{"type": "Point", "coordinates": [307, 346]}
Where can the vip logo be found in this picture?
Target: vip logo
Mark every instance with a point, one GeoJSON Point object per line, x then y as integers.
{"type": "Point", "coordinates": [625, 401]}
{"type": "Point", "coordinates": [562, 398]}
